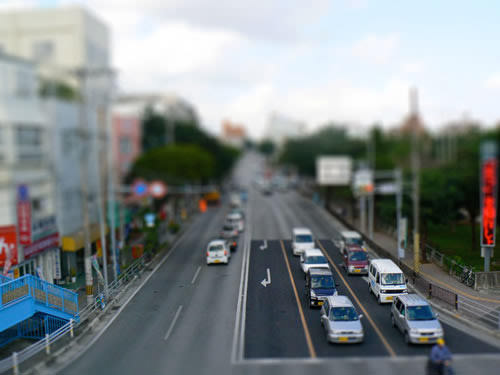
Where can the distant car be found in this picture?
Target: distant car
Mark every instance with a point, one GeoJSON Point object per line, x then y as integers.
{"type": "Point", "coordinates": [313, 258]}
{"type": "Point", "coordinates": [413, 316]}
{"type": "Point", "coordinates": [348, 238]}
{"type": "Point", "coordinates": [218, 252]}
{"type": "Point", "coordinates": [341, 321]}
{"type": "Point", "coordinates": [319, 285]}
{"type": "Point", "coordinates": [355, 260]}
{"type": "Point", "coordinates": [302, 239]}
{"type": "Point", "coordinates": [235, 200]}
{"type": "Point", "coordinates": [236, 220]}
{"type": "Point", "coordinates": [233, 245]}
{"type": "Point", "coordinates": [229, 231]}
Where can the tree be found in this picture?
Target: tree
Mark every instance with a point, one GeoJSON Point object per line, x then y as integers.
{"type": "Point", "coordinates": [267, 147]}
{"type": "Point", "coordinates": [57, 89]}
{"type": "Point", "coordinates": [153, 130]}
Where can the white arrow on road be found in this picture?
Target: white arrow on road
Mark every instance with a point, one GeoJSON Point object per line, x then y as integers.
{"type": "Point", "coordinates": [267, 281]}
{"type": "Point", "coordinates": [264, 245]}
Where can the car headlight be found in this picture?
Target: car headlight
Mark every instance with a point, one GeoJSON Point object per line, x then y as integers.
{"type": "Point", "coordinates": [414, 331]}
{"type": "Point", "coordinates": [382, 291]}
{"type": "Point", "coordinates": [439, 332]}
{"type": "Point", "coordinates": [312, 293]}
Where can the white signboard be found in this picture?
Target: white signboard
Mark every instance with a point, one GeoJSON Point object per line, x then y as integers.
{"type": "Point", "coordinates": [362, 183]}
{"type": "Point", "coordinates": [333, 170]}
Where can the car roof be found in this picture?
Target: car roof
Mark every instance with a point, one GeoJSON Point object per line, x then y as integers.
{"type": "Point", "coordinates": [217, 242]}
{"type": "Point", "coordinates": [319, 271]}
{"type": "Point", "coordinates": [313, 252]}
{"type": "Point", "coordinates": [413, 300]}
{"type": "Point", "coordinates": [354, 248]}
{"type": "Point", "coordinates": [386, 265]}
{"type": "Point", "coordinates": [339, 301]}
{"type": "Point", "coordinates": [302, 230]}
{"type": "Point", "coordinates": [233, 215]}
{"type": "Point", "coordinates": [350, 234]}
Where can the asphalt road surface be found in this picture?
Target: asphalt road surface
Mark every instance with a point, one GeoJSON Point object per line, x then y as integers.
{"type": "Point", "coordinates": [190, 318]}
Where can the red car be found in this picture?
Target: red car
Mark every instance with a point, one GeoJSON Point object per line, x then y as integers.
{"type": "Point", "coordinates": [355, 260]}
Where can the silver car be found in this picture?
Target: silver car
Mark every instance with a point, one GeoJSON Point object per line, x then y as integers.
{"type": "Point", "coordinates": [413, 316]}
{"type": "Point", "coordinates": [341, 321]}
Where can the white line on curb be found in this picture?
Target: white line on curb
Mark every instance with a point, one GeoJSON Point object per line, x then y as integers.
{"type": "Point", "coordinates": [172, 325]}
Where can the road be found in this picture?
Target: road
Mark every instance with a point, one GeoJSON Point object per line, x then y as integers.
{"type": "Point", "coordinates": [190, 318]}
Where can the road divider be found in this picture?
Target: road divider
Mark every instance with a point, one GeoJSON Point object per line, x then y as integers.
{"type": "Point", "coordinates": [310, 346]}
{"type": "Point", "coordinates": [365, 311]}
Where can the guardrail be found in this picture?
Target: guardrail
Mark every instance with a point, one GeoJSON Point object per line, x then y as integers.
{"type": "Point", "coordinates": [4, 279]}
{"type": "Point", "coordinates": [115, 289]}
{"type": "Point", "coordinates": [487, 315]}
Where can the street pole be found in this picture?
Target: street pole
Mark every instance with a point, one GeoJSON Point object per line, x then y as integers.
{"type": "Point", "coordinates": [81, 76]}
{"type": "Point", "coordinates": [415, 165]}
{"type": "Point", "coordinates": [399, 203]}
{"type": "Point", "coordinates": [111, 199]}
{"type": "Point", "coordinates": [362, 211]}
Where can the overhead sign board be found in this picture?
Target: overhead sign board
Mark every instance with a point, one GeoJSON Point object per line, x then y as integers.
{"type": "Point", "coordinates": [333, 170]}
{"type": "Point", "coordinates": [489, 182]}
{"type": "Point", "coordinates": [362, 183]}
{"type": "Point", "coordinates": [387, 188]}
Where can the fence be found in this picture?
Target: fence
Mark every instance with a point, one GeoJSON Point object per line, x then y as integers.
{"type": "Point", "coordinates": [487, 315]}
{"type": "Point", "coordinates": [115, 289]}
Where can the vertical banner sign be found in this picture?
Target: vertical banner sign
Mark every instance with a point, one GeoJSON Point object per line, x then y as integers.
{"type": "Point", "coordinates": [8, 247]}
{"type": "Point", "coordinates": [24, 215]}
{"type": "Point", "coordinates": [57, 264]}
{"type": "Point", "coordinates": [403, 232]}
{"type": "Point", "coordinates": [489, 181]}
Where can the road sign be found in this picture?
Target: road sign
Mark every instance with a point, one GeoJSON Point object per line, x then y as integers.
{"type": "Point", "coordinates": [387, 188]}
{"type": "Point", "coordinates": [333, 170]}
{"type": "Point", "coordinates": [157, 189]}
{"type": "Point", "coordinates": [489, 182]}
{"type": "Point", "coordinates": [140, 188]}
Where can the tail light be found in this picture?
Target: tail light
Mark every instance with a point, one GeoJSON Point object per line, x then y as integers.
{"type": "Point", "coordinates": [208, 254]}
{"type": "Point", "coordinates": [225, 252]}
{"type": "Point", "coordinates": [234, 243]}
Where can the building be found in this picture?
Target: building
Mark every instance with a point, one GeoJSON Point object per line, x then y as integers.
{"type": "Point", "coordinates": [279, 128]}
{"type": "Point", "coordinates": [27, 187]}
{"type": "Point", "coordinates": [233, 134]}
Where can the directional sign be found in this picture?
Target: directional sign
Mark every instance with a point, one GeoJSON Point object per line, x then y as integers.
{"type": "Point", "coordinates": [157, 189]}
{"type": "Point", "coordinates": [267, 281]}
{"type": "Point", "coordinates": [140, 188]}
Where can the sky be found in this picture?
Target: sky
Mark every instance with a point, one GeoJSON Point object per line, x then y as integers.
{"type": "Point", "coordinates": [347, 61]}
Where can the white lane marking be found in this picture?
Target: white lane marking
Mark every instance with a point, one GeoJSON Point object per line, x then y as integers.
{"type": "Point", "coordinates": [264, 245]}
{"type": "Point", "coordinates": [196, 275]}
{"type": "Point", "coordinates": [100, 333]}
{"type": "Point", "coordinates": [172, 325]}
{"type": "Point", "coordinates": [267, 281]}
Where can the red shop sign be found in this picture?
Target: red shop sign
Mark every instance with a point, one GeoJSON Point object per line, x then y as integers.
{"type": "Point", "coordinates": [43, 244]}
{"type": "Point", "coordinates": [8, 246]}
{"type": "Point", "coordinates": [24, 215]}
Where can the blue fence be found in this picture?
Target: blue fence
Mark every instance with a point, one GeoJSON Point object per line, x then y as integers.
{"type": "Point", "coordinates": [41, 293]}
{"type": "Point", "coordinates": [4, 279]}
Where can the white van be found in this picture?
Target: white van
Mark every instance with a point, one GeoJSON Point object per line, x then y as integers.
{"type": "Point", "coordinates": [386, 280]}
{"type": "Point", "coordinates": [235, 219]}
{"type": "Point", "coordinates": [302, 239]}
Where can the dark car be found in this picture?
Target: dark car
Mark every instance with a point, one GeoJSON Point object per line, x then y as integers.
{"type": "Point", "coordinates": [355, 260]}
{"type": "Point", "coordinates": [319, 285]}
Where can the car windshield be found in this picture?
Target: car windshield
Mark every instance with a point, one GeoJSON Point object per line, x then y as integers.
{"type": "Point", "coordinates": [228, 227]}
{"type": "Point", "coordinates": [392, 278]}
{"type": "Point", "coordinates": [216, 248]}
{"type": "Point", "coordinates": [319, 259]}
{"type": "Point", "coordinates": [343, 314]}
{"type": "Point", "coordinates": [357, 255]}
{"type": "Point", "coordinates": [420, 313]}
{"type": "Point", "coordinates": [322, 282]}
{"type": "Point", "coordinates": [301, 238]}
{"type": "Point", "coordinates": [354, 241]}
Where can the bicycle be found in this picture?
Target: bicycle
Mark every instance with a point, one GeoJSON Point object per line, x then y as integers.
{"type": "Point", "coordinates": [468, 276]}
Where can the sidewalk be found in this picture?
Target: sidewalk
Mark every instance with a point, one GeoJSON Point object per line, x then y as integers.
{"type": "Point", "coordinates": [430, 270]}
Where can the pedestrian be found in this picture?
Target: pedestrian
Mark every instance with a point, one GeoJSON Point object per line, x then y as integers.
{"type": "Point", "coordinates": [439, 362]}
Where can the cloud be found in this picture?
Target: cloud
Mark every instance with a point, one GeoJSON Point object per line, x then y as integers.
{"type": "Point", "coordinates": [414, 67]}
{"type": "Point", "coordinates": [376, 48]}
{"type": "Point", "coordinates": [493, 81]}
{"type": "Point", "coordinates": [17, 4]}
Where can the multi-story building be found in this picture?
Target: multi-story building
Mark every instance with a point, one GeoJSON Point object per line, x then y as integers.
{"type": "Point", "coordinates": [26, 182]}
{"type": "Point", "coordinates": [280, 128]}
{"type": "Point", "coordinates": [233, 134]}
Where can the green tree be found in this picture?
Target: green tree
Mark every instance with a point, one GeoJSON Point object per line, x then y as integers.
{"type": "Point", "coordinates": [58, 89]}
{"type": "Point", "coordinates": [153, 130]}
{"type": "Point", "coordinates": [267, 147]}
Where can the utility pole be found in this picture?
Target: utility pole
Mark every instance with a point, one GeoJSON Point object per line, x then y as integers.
{"type": "Point", "coordinates": [415, 166]}
{"type": "Point", "coordinates": [84, 165]}
{"type": "Point", "coordinates": [398, 177]}
{"type": "Point", "coordinates": [111, 198]}
{"type": "Point", "coordinates": [371, 197]}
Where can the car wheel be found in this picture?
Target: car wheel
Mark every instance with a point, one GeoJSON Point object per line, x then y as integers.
{"type": "Point", "coordinates": [407, 338]}
{"type": "Point", "coordinates": [379, 299]}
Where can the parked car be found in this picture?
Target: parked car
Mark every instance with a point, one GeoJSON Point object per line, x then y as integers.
{"type": "Point", "coordinates": [413, 316]}
{"type": "Point", "coordinates": [313, 258]}
{"type": "Point", "coordinates": [386, 280]}
{"type": "Point", "coordinates": [341, 321]}
{"type": "Point", "coordinates": [302, 239]}
{"type": "Point", "coordinates": [319, 285]}
{"type": "Point", "coordinates": [218, 252]}
{"type": "Point", "coordinates": [348, 238]}
{"type": "Point", "coordinates": [355, 260]}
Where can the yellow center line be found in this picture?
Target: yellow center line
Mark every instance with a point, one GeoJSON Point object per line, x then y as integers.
{"type": "Point", "coordinates": [377, 330]}
{"type": "Point", "coordinates": [458, 291]}
{"type": "Point", "coordinates": [310, 346]}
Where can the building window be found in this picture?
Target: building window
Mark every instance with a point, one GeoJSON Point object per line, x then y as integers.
{"type": "Point", "coordinates": [29, 143]}
{"type": "Point", "coordinates": [43, 50]}
{"type": "Point", "coordinates": [125, 146]}
{"type": "Point", "coordinates": [23, 84]}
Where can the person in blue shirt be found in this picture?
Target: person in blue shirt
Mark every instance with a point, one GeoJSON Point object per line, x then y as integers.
{"type": "Point", "coordinates": [440, 359]}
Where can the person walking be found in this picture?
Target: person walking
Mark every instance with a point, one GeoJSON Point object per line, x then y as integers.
{"type": "Point", "coordinates": [440, 360]}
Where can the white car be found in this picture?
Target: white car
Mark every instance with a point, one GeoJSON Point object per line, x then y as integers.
{"type": "Point", "coordinates": [313, 258]}
{"type": "Point", "coordinates": [348, 238]}
{"type": "Point", "coordinates": [218, 252]}
{"type": "Point", "coordinates": [302, 239]}
{"type": "Point", "coordinates": [235, 219]}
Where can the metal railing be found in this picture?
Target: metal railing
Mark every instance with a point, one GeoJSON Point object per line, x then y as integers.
{"type": "Point", "coordinates": [4, 279]}
{"type": "Point", "coordinates": [115, 289]}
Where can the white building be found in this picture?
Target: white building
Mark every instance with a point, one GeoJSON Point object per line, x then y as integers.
{"type": "Point", "coordinates": [279, 128]}
{"type": "Point", "coordinates": [25, 160]}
